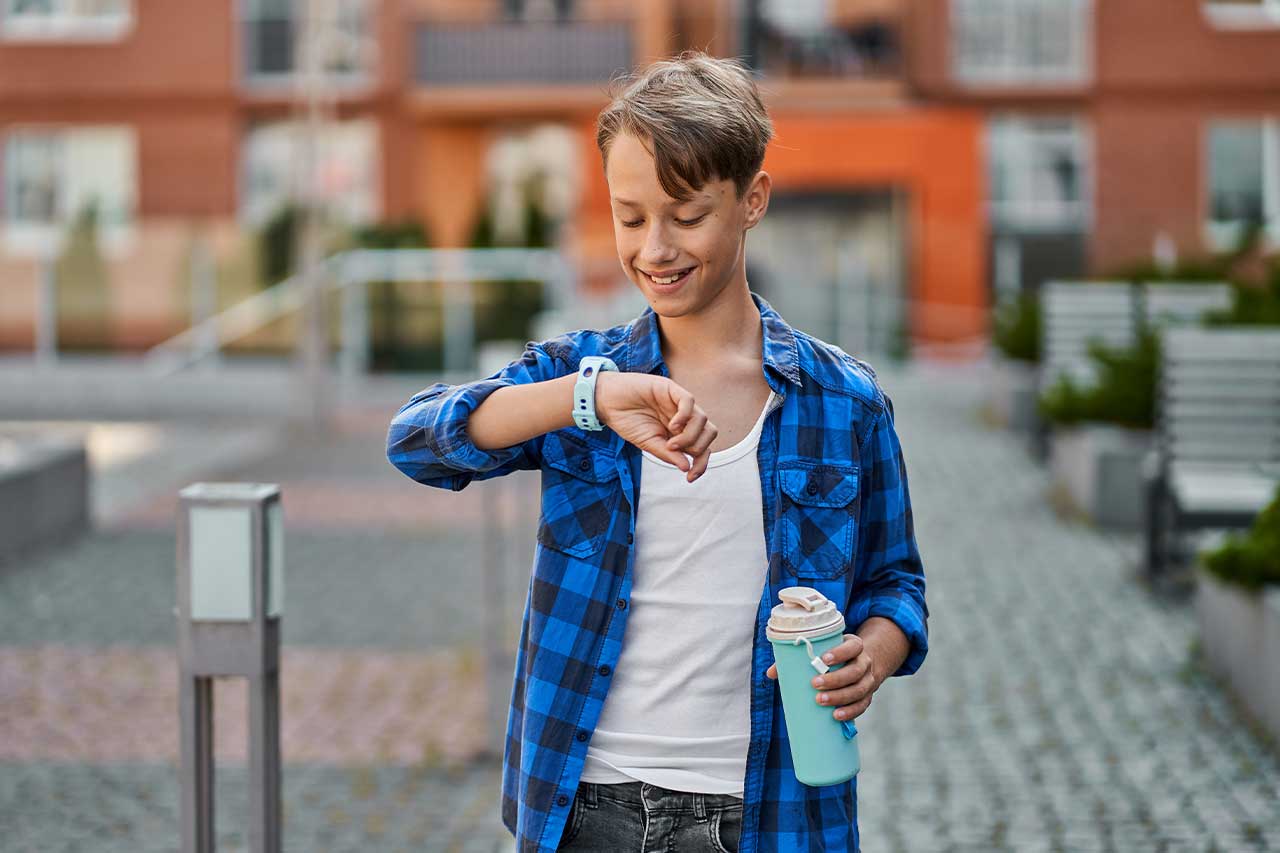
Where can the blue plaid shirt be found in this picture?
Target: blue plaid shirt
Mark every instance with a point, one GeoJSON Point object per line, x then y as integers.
{"type": "Point", "coordinates": [837, 517]}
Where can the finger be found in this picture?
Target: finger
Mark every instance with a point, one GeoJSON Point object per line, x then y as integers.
{"type": "Point", "coordinates": [846, 651]}
{"type": "Point", "coordinates": [694, 425]}
{"type": "Point", "coordinates": [663, 451]}
{"type": "Point", "coordinates": [849, 712]}
{"type": "Point", "coordinates": [701, 442]}
{"type": "Point", "coordinates": [700, 463]}
{"type": "Point", "coordinates": [684, 407]}
{"type": "Point", "coordinates": [845, 676]}
{"type": "Point", "coordinates": [772, 671]}
{"type": "Point", "coordinates": [848, 695]}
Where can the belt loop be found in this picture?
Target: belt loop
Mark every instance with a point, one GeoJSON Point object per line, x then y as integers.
{"type": "Point", "coordinates": [699, 807]}
{"type": "Point", "coordinates": [591, 790]}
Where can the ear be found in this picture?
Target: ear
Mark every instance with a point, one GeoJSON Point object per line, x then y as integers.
{"type": "Point", "coordinates": [756, 198]}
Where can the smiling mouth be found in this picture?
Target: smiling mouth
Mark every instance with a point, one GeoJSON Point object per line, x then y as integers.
{"type": "Point", "coordinates": [667, 281]}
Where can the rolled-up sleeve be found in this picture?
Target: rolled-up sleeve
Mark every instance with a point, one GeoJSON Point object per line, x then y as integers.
{"type": "Point", "coordinates": [889, 578]}
{"type": "Point", "coordinates": [428, 439]}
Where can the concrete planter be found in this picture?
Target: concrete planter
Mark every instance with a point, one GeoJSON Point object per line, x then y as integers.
{"type": "Point", "coordinates": [1097, 470]}
{"type": "Point", "coordinates": [1240, 633]}
{"type": "Point", "coordinates": [44, 492]}
{"type": "Point", "coordinates": [1011, 394]}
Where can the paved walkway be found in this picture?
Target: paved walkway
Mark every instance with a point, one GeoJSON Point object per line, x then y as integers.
{"type": "Point", "coordinates": [1062, 706]}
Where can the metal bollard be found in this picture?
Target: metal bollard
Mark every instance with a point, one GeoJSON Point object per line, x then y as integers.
{"type": "Point", "coordinates": [230, 596]}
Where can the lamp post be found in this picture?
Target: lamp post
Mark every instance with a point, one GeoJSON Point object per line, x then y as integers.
{"type": "Point", "coordinates": [230, 597]}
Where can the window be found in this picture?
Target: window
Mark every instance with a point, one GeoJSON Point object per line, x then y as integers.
{"type": "Point", "coordinates": [1244, 180]}
{"type": "Point", "coordinates": [1038, 171]}
{"type": "Point", "coordinates": [347, 170]}
{"type": "Point", "coordinates": [345, 42]}
{"type": "Point", "coordinates": [51, 176]}
{"type": "Point", "coordinates": [1020, 42]}
{"type": "Point", "coordinates": [1242, 14]}
{"type": "Point", "coordinates": [57, 20]}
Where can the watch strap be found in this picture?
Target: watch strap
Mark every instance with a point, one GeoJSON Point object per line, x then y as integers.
{"type": "Point", "coordinates": [584, 391]}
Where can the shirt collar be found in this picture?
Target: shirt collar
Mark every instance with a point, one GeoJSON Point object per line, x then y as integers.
{"type": "Point", "coordinates": [781, 354]}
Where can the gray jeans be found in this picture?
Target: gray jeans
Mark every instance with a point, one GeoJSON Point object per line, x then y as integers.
{"type": "Point", "coordinates": [637, 817]}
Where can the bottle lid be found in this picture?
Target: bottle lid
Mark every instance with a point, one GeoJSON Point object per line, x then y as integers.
{"type": "Point", "coordinates": [803, 612]}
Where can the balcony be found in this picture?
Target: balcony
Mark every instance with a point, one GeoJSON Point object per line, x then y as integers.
{"type": "Point", "coordinates": [814, 53]}
{"type": "Point", "coordinates": [516, 53]}
{"type": "Point", "coordinates": [806, 40]}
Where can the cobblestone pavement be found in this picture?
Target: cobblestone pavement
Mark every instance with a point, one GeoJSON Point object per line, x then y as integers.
{"type": "Point", "coordinates": [1062, 706]}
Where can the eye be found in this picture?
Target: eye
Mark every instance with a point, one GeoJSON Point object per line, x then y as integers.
{"type": "Point", "coordinates": [693, 221]}
{"type": "Point", "coordinates": [635, 224]}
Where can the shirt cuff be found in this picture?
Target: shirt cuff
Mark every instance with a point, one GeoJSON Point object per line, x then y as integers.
{"type": "Point", "coordinates": [903, 611]}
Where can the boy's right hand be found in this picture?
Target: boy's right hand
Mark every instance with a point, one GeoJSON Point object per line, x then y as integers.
{"type": "Point", "coordinates": [657, 415]}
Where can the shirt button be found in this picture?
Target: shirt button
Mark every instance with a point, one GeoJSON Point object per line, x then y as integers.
{"type": "Point", "coordinates": [562, 800]}
{"type": "Point", "coordinates": [605, 670]}
{"type": "Point", "coordinates": [812, 488]}
{"type": "Point", "coordinates": [630, 538]}
{"type": "Point", "coordinates": [622, 604]}
{"type": "Point", "coordinates": [582, 735]}
{"type": "Point", "coordinates": [584, 464]}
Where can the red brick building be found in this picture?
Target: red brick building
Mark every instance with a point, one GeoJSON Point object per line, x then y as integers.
{"type": "Point", "coordinates": [924, 148]}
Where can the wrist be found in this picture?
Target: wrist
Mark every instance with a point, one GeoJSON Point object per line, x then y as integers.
{"type": "Point", "coordinates": [603, 381]}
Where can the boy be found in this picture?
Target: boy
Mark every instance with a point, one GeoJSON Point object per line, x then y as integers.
{"type": "Point", "coordinates": [644, 713]}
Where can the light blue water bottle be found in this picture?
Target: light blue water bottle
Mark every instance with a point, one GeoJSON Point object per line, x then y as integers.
{"type": "Point", "coordinates": [824, 750]}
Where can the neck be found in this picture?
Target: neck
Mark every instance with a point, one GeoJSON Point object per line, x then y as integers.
{"type": "Point", "coordinates": [729, 325]}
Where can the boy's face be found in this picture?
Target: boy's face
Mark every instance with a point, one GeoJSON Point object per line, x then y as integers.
{"type": "Point", "coordinates": [699, 242]}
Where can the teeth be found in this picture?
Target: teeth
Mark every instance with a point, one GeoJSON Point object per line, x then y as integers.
{"type": "Point", "coordinates": [669, 279]}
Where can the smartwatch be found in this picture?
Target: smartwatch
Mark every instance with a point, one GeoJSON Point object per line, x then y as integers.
{"type": "Point", "coordinates": [584, 391]}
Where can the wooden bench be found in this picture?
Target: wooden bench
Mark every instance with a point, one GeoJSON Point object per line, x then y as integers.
{"type": "Point", "coordinates": [1216, 460]}
{"type": "Point", "coordinates": [1167, 304]}
{"type": "Point", "coordinates": [1077, 313]}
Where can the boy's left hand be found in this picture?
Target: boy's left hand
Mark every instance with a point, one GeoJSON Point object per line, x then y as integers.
{"type": "Point", "coordinates": [849, 688]}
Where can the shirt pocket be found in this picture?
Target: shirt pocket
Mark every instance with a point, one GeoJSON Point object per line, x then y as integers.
{"type": "Point", "coordinates": [818, 513]}
{"type": "Point", "coordinates": [579, 495]}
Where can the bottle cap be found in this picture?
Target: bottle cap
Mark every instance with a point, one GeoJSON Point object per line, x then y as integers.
{"type": "Point", "coordinates": [804, 612]}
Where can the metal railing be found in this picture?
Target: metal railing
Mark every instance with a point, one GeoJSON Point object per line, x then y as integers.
{"type": "Point", "coordinates": [450, 54]}
{"type": "Point", "coordinates": [350, 273]}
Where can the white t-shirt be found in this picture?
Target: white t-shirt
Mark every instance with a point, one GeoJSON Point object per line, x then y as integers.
{"type": "Point", "coordinates": [678, 711]}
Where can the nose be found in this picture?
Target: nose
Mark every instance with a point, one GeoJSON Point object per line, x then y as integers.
{"type": "Point", "coordinates": [657, 249]}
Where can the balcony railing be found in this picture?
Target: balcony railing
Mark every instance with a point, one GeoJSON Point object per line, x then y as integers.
{"type": "Point", "coordinates": [448, 54]}
{"type": "Point", "coordinates": [804, 39]}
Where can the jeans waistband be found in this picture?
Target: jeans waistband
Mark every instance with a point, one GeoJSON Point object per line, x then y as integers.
{"type": "Point", "coordinates": [657, 798]}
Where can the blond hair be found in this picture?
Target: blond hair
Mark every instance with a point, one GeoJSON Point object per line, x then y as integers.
{"type": "Point", "coordinates": [700, 117]}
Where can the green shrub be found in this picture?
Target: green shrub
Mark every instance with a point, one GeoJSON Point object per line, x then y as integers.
{"type": "Point", "coordinates": [276, 245]}
{"type": "Point", "coordinates": [392, 316]}
{"type": "Point", "coordinates": [1125, 392]}
{"type": "Point", "coordinates": [505, 309]}
{"type": "Point", "coordinates": [408, 234]}
{"type": "Point", "coordinates": [1253, 306]}
{"type": "Point", "coordinates": [1252, 559]}
{"type": "Point", "coordinates": [1017, 328]}
{"type": "Point", "coordinates": [83, 287]}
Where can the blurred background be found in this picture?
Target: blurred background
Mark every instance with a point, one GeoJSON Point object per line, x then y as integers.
{"type": "Point", "coordinates": [237, 235]}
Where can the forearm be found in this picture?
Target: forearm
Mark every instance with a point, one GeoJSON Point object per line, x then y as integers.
{"type": "Point", "coordinates": [517, 413]}
{"type": "Point", "coordinates": [886, 644]}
